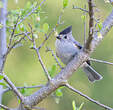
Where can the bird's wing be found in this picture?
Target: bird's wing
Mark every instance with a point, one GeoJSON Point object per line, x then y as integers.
{"type": "Point", "coordinates": [78, 44]}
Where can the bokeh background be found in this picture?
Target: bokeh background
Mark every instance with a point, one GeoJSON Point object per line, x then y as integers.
{"type": "Point", "coordinates": [22, 65]}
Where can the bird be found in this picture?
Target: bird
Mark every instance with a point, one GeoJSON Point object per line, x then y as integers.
{"type": "Point", "coordinates": [67, 47]}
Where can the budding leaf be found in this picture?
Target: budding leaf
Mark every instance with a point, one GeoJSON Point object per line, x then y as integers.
{"type": "Point", "coordinates": [31, 46]}
{"type": "Point", "coordinates": [59, 92]}
{"type": "Point", "coordinates": [99, 26]}
{"type": "Point", "coordinates": [52, 70]}
{"type": "Point", "coordinates": [3, 84]}
{"type": "Point", "coordinates": [99, 35]}
{"type": "Point", "coordinates": [1, 77]}
{"type": "Point", "coordinates": [81, 106]}
{"type": "Point", "coordinates": [83, 18]}
{"type": "Point", "coordinates": [1, 26]}
{"type": "Point", "coordinates": [73, 105]}
{"type": "Point", "coordinates": [39, 8]}
{"type": "Point", "coordinates": [65, 3]}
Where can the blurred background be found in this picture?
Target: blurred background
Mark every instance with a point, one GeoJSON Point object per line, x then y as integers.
{"type": "Point", "coordinates": [23, 68]}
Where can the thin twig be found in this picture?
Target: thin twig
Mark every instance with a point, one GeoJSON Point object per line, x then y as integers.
{"type": "Point", "coordinates": [50, 33]}
{"type": "Point", "coordinates": [4, 107]}
{"type": "Point", "coordinates": [17, 42]}
{"type": "Point", "coordinates": [90, 99]}
{"type": "Point", "coordinates": [91, 24]}
{"type": "Point", "coordinates": [33, 40]}
{"type": "Point", "coordinates": [100, 61]}
{"type": "Point", "coordinates": [13, 32]}
{"type": "Point", "coordinates": [11, 47]}
{"type": "Point", "coordinates": [38, 54]}
{"type": "Point", "coordinates": [49, 49]}
{"type": "Point", "coordinates": [25, 87]}
{"type": "Point", "coordinates": [42, 64]}
{"type": "Point", "coordinates": [85, 27]}
{"type": "Point", "coordinates": [32, 11]}
{"type": "Point", "coordinates": [23, 33]}
{"type": "Point", "coordinates": [82, 9]}
{"type": "Point", "coordinates": [13, 87]}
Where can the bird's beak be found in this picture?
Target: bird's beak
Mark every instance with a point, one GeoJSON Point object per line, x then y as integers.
{"type": "Point", "coordinates": [58, 37]}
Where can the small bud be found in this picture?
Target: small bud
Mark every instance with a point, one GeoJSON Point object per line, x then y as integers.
{"type": "Point", "coordinates": [56, 33]}
{"type": "Point", "coordinates": [56, 24]}
{"type": "Point", "coordinates": [106, 1]}
{"type": "Point", "coordinates": [38, 19]}
{"type": "Point", "coordinates": [99, 35]}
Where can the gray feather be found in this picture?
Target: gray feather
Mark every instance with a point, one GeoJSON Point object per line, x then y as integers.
{"type": "Point", "coordinates": [91, 73]}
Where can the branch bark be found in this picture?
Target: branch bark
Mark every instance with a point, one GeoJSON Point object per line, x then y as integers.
{"type": "Point", "coordinates": [88, 98]}
{"type": "Point", "coordinates": [91, 24]}
{"type": "Point", "coordinates": [3, 44]}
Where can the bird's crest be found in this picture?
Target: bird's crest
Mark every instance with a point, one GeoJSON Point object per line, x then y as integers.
{"type": "Point", "coordinates": [66, 31]}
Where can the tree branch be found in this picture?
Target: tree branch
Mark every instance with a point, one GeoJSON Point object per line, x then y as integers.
{"type": "Point", "coordinates": [101, 61]}
{"type": "Point", "coordinates": [91, 24]}
{"type": "Point", "coordinates": [38, 54]}
{"type": "Point", "coordinates": [88, 98]}
{"type": "Point", "coordinates": [24, 87]}
{"type": "Point", "coordinates": [11, 47]}
{"type": "Point", "coordinates": [4, 107]}
{"type": "Point", "coordinates": [3, 42]}
{"type": "Point", "coordinates": [42, 64]}
{"type": "Point", "coordinates": [61, 78]}
{"type": "Point", "coordinates": [51, 32]}
{"type": "Point", "coordinates": [49, 49]}
{"type": "Point", "coordinates": [13, 32]}
{"type": "Point", "coordinates": [32, 11]}
{"type": "Point", "coordinates": [82, 9]}
{"type": "Point", "coordinates": [15, 90]}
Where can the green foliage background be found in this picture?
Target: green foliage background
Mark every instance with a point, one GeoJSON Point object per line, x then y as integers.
{"type": "Point", "coordinates": [22, 65]}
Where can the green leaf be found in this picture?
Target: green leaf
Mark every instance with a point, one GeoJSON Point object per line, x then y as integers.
{"type": "Point", "coordinates": [45, 27]}
{"type": "Point", "coordinates": [81, 106]}
{"type": "Point", "coordinates": [31, 46]}
{"type": "Point", "coordinates": [99, 26]}
{"type": "Point", "coordinates": [22, 27]}
{"type": "Point", "coordinates": [35, 36]}
{"type": "Point", "coordinates": [65, 3]}
{"type": "Point", "coordinates": [83, 17]}
{"type": "Point", "coordinates": [3, 84]}
{"type": "Point", "coordinates": [39, 8]}
{"type": "Point", "coordinates": [1, 77]}
{"type": "Point", "coordinates": [23, 90]}
{"type": "Point", "coordinates": [74, 105]}
{"type": "Point", "coordinates": [26, 91]}
{"type": "Point", "coordinates": [19, 101]}
{"type": "Point", "coordinates": [1, 26]}
{"type": "Point", "coordinates": [28, 5]}
{"type": "Point", "coordinates": [17, 30]}
{"type": "Point", "coordinates": [59, 93]}
{"type": "Point", "coordinates": [52, 70]}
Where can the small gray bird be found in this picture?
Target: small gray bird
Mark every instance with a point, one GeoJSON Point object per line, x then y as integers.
{"type": "Point", "coordinates": [67, 47]}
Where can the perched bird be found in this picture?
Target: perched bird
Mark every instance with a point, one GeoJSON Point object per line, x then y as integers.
{"type": "Point", "coordinates": [67, 47]}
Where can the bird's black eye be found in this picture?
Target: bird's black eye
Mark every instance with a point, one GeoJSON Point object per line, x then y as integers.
{"type": "Point", "coordinates": [65, 37]}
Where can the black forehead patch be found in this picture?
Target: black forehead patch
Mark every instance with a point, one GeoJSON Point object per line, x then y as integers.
{"type": "Point", "coordinates": [66, 31]}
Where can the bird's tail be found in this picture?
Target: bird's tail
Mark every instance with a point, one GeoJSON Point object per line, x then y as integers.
{"type": "Point", "coordinates": [91, 73]}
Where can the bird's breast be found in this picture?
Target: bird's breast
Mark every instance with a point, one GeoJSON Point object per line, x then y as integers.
{"type": "Point", "coordinates": [65, 51]}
